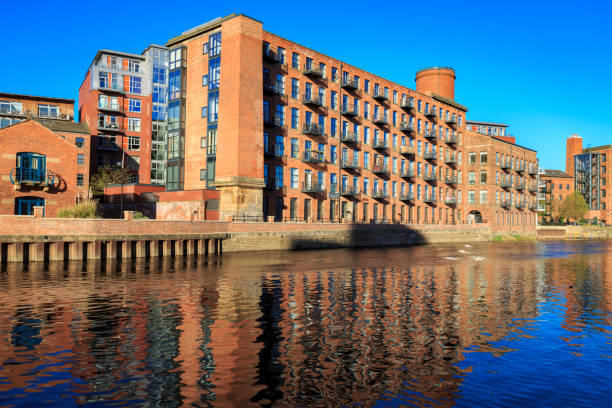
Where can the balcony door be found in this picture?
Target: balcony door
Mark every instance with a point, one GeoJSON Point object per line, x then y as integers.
{"type": "Point", "coordinates": [25, 205]}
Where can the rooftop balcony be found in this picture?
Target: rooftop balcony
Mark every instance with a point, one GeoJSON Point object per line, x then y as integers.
{"type": "Point", "coordinates": [430, 155]}
{"type": "Point", "coordinates": [407, 173]}
{"type": "Point", "coordinates": [380, 120]}
{"type": "Point", "coordinates": [452, 119]}
{"type": "Point", "coordinates": [406, 126]}
{"type": "Point", "coordinates": [406, 196]}
{"type": "Point", "coordinates": [349, 191]}
{"type": "Point", "coordinates": [407, 150]}
{"type": "Point", "coordinates": [407, 104]}
{"type": "Point", "coordinates": [350, 111]}
{"type": "Point", "coordinates": [313, 187]}
{"type": "Point", "coordinates": [380, 169]}
{"type": "Point", "coordinates": [313, 100]}
{"type": "Point", "coordinates": [451, 180]}
{"type": "Point", "coordinates": [380, 194]}
{"type": "Point", "coordinates": [450, 200]}
{"type": "Point", "coordinates": [349, 165]}
{"type": "Point", "coordinates": [431, 113]}
{"type": "Point", "coordinates": [314, 71]}
{"type": "Point", "coordinates": [380, 95]}
{"type": "Point", "coordinates": [313, 156]}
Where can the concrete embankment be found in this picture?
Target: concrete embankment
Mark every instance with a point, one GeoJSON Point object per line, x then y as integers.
{"type": "Point", "coordinates": [574, 232]}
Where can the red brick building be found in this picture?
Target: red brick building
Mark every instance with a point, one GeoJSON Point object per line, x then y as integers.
{"type": "Point", "coordinates": [15, 108]}
{"type": "Point", "coordinates": [43, 162]}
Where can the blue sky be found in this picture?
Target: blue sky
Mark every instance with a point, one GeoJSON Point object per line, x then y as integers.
{"type": "Point", "coordinates": [543, 67]}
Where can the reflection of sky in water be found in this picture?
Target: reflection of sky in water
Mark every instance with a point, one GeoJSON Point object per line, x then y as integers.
{"type": "Point", "coordinates": [502, 324]}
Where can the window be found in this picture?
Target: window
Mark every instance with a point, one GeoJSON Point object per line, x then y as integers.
{"type": "Point", "coordinates": [483, 197]}
{"type": "Point", "coordinates": [202, 174]}
{"type": "Point", "coordinates": [295, 178]}
{"type": "Point", "coordinates": [214, 72]}
{"type": "Point", "coordinates": [159, 75]}
{"type": "Point", "coordinates": [134, 124]}
{"type": "Point", "coordinates": [133, 143]}
{"type": "Point", "coordinates": [134, 105]}
{"type": "Point", "coordinates": [135, 85]}
{"type": "Point", "coordinates": [294, 148]}
{"type": "Point", "coordinates": [11, 107]}
{"type": "Point", "coordinates": [278, 181]}
{"type": "Point", "coordinates": [472, 177]}
{"type": "Point", "coordinates": [80, 159]}
{"type": "Point", "coordinates": [472, 158]}
{"type": "Point", "coordinates": [213, 106]}
{"type": "Point", "coordinates": [483, 177]}
{"type": "Point", "coordinates": [48, 111]}
{"type": "Point", "coordinates": [334, 75]}
{"type": "Point", "coordinates": [295, 115]}
{"type": "Point", "coordinates": [295, 60]}
{"type": "Point", "coordinates": [79, 142]}
{"type": "Point", "coordinates": [483, 157]}
{"type": "Point", "coordinates": [80, 180]}
{"type": "Point", "coordinates": [281, 55]}
{"type": "Point", "coordinates": [471, 197]}
{"type": "Point", "coordinates": [214, 44]}
{"type": "Point", "coordinates": [133, 66]}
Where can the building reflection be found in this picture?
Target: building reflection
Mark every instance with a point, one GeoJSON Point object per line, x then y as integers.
{"type": "Point", "coordinates": [326, 328]}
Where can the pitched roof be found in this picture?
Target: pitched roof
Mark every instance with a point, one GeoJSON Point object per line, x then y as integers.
{"type": "Point", "coordinates": [63, 125]}
{"type": "Point", "coordinates": [554, 173]}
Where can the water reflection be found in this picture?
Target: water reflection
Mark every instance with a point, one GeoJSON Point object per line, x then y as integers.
{"type": "Point", "coordinates": [493, 324]}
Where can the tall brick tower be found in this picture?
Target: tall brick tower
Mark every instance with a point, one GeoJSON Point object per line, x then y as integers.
{"type": "Point", "coordinates": [573, 147]}
{"type": "Point", "coordinates": [436, 81]}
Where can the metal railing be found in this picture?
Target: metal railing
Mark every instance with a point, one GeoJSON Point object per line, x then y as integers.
{"type": "Point", "coordinates": [20, 175]}
{"type": "Point", "coordinates": [407, 150]}
{"type": "Point", "coordinates": [273, 88]}
{"type": "Point", "coordinates": [406, 196]}
{"type": "Point", "coordinates": [430, 155]}
{"type": "Point", "coordinates": [429, 198]}
{"type": "Point", "coordinates": [380, 95]}
{"type": "Point", "coordinates": [349, 137]}
{"type": "Point", "coordinates": [313, 100]}
{"type": "Point", "coordinates": [348, 110]}
{"type": "Point", "coordinates": [113, 126]}
{"type": "Point", "coordinates": [380, 120]}
{"type": "Point", "coordinates": [313, 129]}
{"type": "Point", "coordinates": [379, 193]}
{"type": "Point", "coordinates": [407, 104]}
{"type": "Point", "coordinates": [380, 169]}
{"type": "Point", "coordinates": [450, 160]}
{"type": "Point", "coordinates": [429, 134]}
{"type": "Point", "coordinates": [381, 144]}
{"type": "Point", "coordinates": [349, 191]}
{"type": "Point", "coordinates": [451, 180]}
{"type": "Point", "coordinates": [406, 126]}
{"type": "Point", "coordinates": [313, 187]}
{"type": "Point", "coordinates": [452, 119]}
{"type": "Point", "coordinates": [450, 200]}
{"type": "Point", "coordinates": [313, 156]}
{"type": "Point", "coordinates": [431, 113]}
{"type": "Point", "coordinates": [349, 165]}
{"type": "Point", "coordinates": [349, 83]}
{"type": "Point", "coordinates": [407, 173]}
{"type": "Point", "coordinates": [314, 71]}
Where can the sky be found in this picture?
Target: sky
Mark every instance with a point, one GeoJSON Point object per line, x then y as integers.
{"type": "Point", "coordinates": [542, 67]}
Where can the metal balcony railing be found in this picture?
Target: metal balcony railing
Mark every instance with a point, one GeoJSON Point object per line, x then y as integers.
{"type": "Point", "coordinates": [450, 200]}
{"type": "Point", "coordinates": [349, 165]}
{"type": "Point", "coordinates": [431, 113]}
{"type": "Point", "coordinates": [30, 176]}
{"type": "Point", "coordinates": [451, 140]}
{"type": "Point", "coordinates": [313, 129]}
{"type": "Point", "coordinates": [505, 203]}
{"type": "Point", "coordinates": [430, 155]}
{"type": "Point", "coordinates": [380, 169]}
{"type": "Point", "coordinates": [533, 188]}
{"type": "Point", "coordinates": [380, 193]}
{"type": "Point", "coordinates": [450, 160]}
{"type": "Point", "coordinates": [313, 156]}
{"type": "Point", "coordinates": [505, 184]}
{"type": "Point", "coordinates": [270, 56]}
{"type": "Point", "coordinates": [407, 150]}
{"type": "Point", "coordinates": [451, 180]}
{"type": "Point", "coordinates": [504, 164]}
{"type": "Point", "coordinates": [314, 71]}
{"type": "Point", "coordinates": [313, 187]}
{"type": "Point", "coordinates": [520, 186]}
{"type": "Point", "coordinates": [380, 120]}
{"type": "Point", "coordinates": [519, 204]}
{"type": "Point", "coordinates": [429, 198]}
{"type": "Point", "coordinates": [274, 122]}
{"type": "Point", "coordinates": [407, 104]}
{"type": "Point", "coordinates": [349, 83]}
{"type": "Point", "coordinates": [110, 108]}
{"type": "Point", "coordinates": [110, 126]}
{"type": "Point", "coordinates": [349, 137]}
{"type": "Point", "coordinates": [406, 196]}
{"type": "Point", "coordinates": [381, 144]}
{"type": "Point", "coordinates": [452, 119]}
{"type": "Point", "coordinates": [532, 171]}
{"type": "Point", "coordinates": [111, 87]}
{"type": "Point", "coordinates": [348, 110]}
{"type": "Point", "coordinates": [406, 126]}
{"type": "Point", "coordinates": [431, 177]}
{"type": "Point", "coordinates": [430, 134]}
{"type": "Point", "coordinates": [349, 191]}
{"type": "Point", "coordinates": [533, 207]}
{"type": "Point", "coordinates": [313, 100]}
{"type": "Point", "coordinates": [520, 169]}
{"type": "Point", "coordinates": [407, 173]}
{"type": "Point", "coordinates": [380, 95]}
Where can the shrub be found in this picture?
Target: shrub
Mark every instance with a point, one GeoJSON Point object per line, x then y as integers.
{"type": "Point", "coordinates": [84, 209]}
{"type": "Point", "coordinates": [140, 216]}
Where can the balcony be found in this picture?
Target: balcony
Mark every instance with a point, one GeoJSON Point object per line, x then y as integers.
{"type": "Point", "coordinates": [430, 134]}
{"type": "Point", "coordinates": [430, 155]}
{"type": "Point", "coordinates": [451, 180]}
{"type": "Point", "coordinates": [450, 160]}
{"type": "Point", "coordinates": [505, 203]}
{"type": "Point", "coordinates": [313, 100]}
{"type": "Point", "coordinates": [111, 108]}
{"type": "Point", "coordinates": [275, 122]}
{"type": "Point", "coordinates": [272, 184]}
{"type": "Point", "coordinates": [431, 113]}
{"type": "Point", "coordinates": [349, 137]}
{"type": "Point", "coordinates": [533, 188]}
{"type": "Point", "coordinates": [107, 144]}
{"type": "Point", "coordinates": [533, 207]}
{"type": "Point", "coordinates": [314, 129]}
{"type": "Point", "coordinates": [532, 171]}
{"type": "Point", "coordinates": [350, 84]}
{"type": "Point", "coordinates": [520, 169]}
{"type": "Point", "coordinates": [380, 169]}
{"type": "Point", "coordinates": [349, 191]}
{"type": "Point", "coordinates": [407, 173]}
{"type": "Point", "coordinates": [505, 164]}
{"type": "Point", "coordinates": [110, 126]}
{"type": "Point", "coordinates": [407, 150]}
{"type": "Point", "coordinates": [270, 56]}
{"type": "Point", "coordinates": [380, 120]}
{"type": "Point", "coordinates": [450, 200]}
{"type": "Point", "coordinates": [505, 184]}
{"type": "Point", "coordinates": [429, 198]}
{"type": "Point", "coordinates": [381, 144]}
{"type": "Point", "coordinates": [431, 178]}
{"type": "Point", "coordinates": [313, 187]}
{"type": "Point", "coordinates": [333, 192]}
{"type": "Point", "coordinates": [380, 95]}
{"type": "Point", "coordinates": [272, 88]}
{"type": "Point", "coordinates": [349, 165]}
{"type": "Point", "coordinates": [314, 71]}
{"type": "Point", "coordinates": [313, 156]}
{"type": "Point", "coordinates": [406, 127]}
{"type": "Point", "coordinates": [407, 104]}
{"type": "Point", "coordinates": [451, 140]}
{"type": "Point", "coordinates": [452, 119]}
{"type": "Point", "coordinates": [520, 186]}
{"type": "Point", "coordinates": [350, 111]}
{"type": "Point", "coordinates": [106, 87]}
{"type": "Point", "coordinates": [31, 177]}
{"type": "Point", "coordinates": [406, 196]}
{"type": "Point", "coordinates": [380, 194]}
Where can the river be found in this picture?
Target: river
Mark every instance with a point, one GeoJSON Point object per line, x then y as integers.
{"type": "Point", "coordinates": [491, 324]}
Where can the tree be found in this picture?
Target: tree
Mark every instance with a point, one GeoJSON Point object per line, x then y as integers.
{"type": "Point", "coordinates": [106, 176]}
{"type": "Point", "coordinates": [574, 207]}
{"type": "Point", "coordinates": [555, 209]}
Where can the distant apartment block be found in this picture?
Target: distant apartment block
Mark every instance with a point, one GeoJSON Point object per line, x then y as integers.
{"type": "Point", "coordinates": [15, 108]}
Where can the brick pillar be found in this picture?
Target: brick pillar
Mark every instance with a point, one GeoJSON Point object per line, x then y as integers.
{"type": "Point", "coordinates": [36, 251]}
{"type": "Point", "coordinates": [75, 251]}
{"type": "Point", "coordinates": [154, 249]}
{"type": "Point", "coordinates": [111, 250]}
{"type": "Point", "coordinates": [190, 246]}
{"type": "Point", "coordinates": [178, 249]}
{"type": "Point", "coordinates": [126, 250]}
{"type": "Point", "coordinates": [56, 251]}
{"type": "Point", "coordinates": [94, 250]}
{"type": "Point", "coordinates": [128, 215]}
{"type": "Point", "coordinates": [15, 252]}
{"type": "Point", "coordinates": [202, 245]}
{"type": "Point", "coordinates": [167, 247]}
{"type": "Point", "coordinates": [39, 211]}
{"type": "Point", "coordinates": [141, 249]}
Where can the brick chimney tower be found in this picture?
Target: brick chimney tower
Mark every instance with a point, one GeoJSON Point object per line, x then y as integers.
{"type": "Point", "coordinates": [573, 147]}
{"type": "Point", "coordinates": [436, 80]}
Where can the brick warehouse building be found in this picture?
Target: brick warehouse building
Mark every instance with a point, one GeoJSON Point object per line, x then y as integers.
{"type": "Point", "coordinates": [557, 185]}
{"type": "Point", "coordinates": [44, 162]}
{"type": "Point", "coordinates": [282, 130]}
{"type": "Point", "coordinates": [123, 101]}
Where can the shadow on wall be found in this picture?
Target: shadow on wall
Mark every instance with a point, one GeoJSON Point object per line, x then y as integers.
{"type": "Point", "coordinates": [359, 235]}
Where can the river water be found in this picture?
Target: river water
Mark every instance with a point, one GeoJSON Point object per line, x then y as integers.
{"type": "Point", "coordinates": [491, 324]}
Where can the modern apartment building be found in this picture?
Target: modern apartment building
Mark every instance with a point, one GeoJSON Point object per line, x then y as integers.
{"type": "Point", "coordinates": [123, 101]}
{"type": "Point", "coordinates": [15, 108]}
{"type": "Point", "coordinates": [592, 176]}
{"type": "Point", "coordinates": [502, 182]}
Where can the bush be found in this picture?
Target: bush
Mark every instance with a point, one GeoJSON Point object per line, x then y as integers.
{"type": "Point", "coordinates": [84, 209]}
{"type": "Point", "coordinates": [140, 216]}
